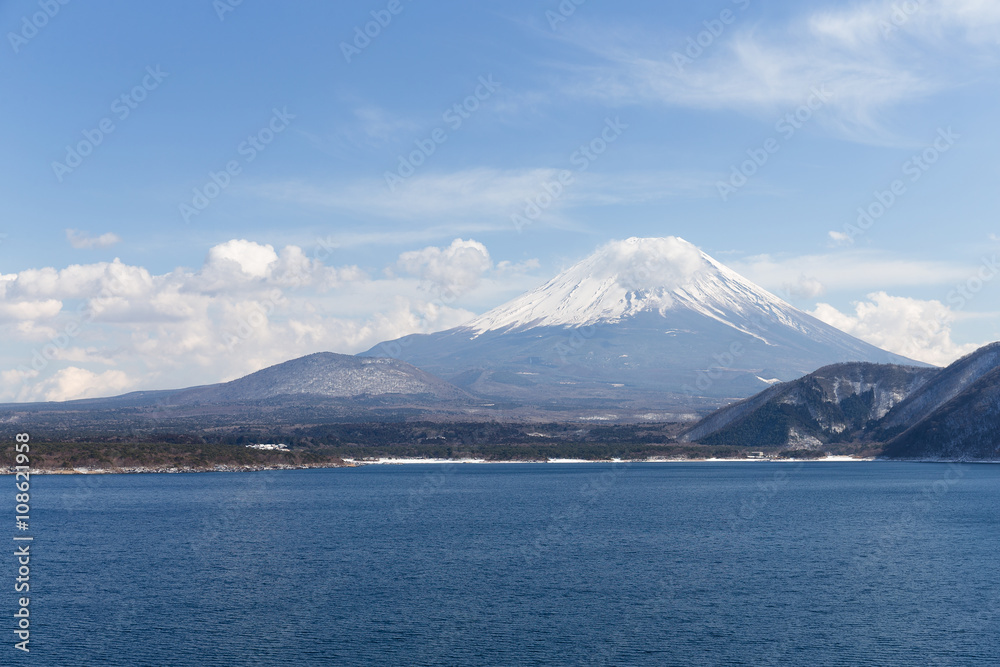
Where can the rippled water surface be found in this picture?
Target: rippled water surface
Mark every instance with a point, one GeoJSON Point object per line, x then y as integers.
{"type": "Point", "coordinates": [616, 564]}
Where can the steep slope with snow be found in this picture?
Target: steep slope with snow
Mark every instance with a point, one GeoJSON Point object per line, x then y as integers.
{"type": "Point", "coordinates": [906, 412]}
{"type": "Point", "coordinates": [952, 381]}
{"type": "Point", "coordinates": [641, 323]}
{"type": "Point", "coordinates": [627, 278]}
{"type": "Point", "coordinates": [956, 416]}
{"type": "Point", "coordinates": [325, 375]}
{"type": "Point", "coordinates": [838, 403]}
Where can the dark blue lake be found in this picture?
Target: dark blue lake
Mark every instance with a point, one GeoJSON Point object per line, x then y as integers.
{"type": "Point", "coordinates": [593, 564]}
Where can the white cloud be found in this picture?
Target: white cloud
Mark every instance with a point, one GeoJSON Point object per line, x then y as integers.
{"type": "Point", "coordinates": [874, 24]}
{"type": "Point", "coordinates": [248, 306]}
{"type": "Point", "coordinates": [869, 68]}
{"type": "Point", "coordinates": [77, 281]}
{"type": "Point", "coordinates": [669, 262]}
{"type": "Point", "coordinates": [73, 382]}
{"type": "Point", "coordinates": [804, 288]}
{"type": "Point", "coordinates": [453, 270]}
{"type": "Point", "coordinates": [916, 329]}
{"type": "Point", "coordinates": [29, 310]}
{"type": "Point", "coordinates": [507, 267]}
{"type": "Point", "coordinates": [30, 331]}
{"type": "Point", "coordinates": [840, 238]}
{"type": "Point", "coordinates": [14, 377]}
{"type": "Point", "coordinates": [83, 240]}
{"type": "Point", "coordinates": [849, 269]}
{"type": "Point", "coordinates": [251, 259]}
{"type": "Point", "coordinates": [88, 355]}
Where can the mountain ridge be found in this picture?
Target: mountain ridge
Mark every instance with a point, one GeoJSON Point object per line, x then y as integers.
{"type": "Point", "coordinates": [326, 374]}
{"type": "Point", "coordinates": [836, 403]}
{"type": "Point", "coordinates": [639, 324]}
{"type": "Point", "coordinates": [902, 412]}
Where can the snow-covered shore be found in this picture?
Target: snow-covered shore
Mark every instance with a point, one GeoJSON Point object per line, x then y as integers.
{"type": "Point", "coordinates": [410, 461]}
{"type": "Point", "coordinates": [353, 463]}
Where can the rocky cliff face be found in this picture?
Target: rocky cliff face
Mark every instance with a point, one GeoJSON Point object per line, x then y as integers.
{"type": "Point", "coordinates": [956, 416]}
{"type": "Point", "coordinates": [947, 385]}
{"type": "Point", "coordinates": [837, 403]}
{"type": "Point", "coordinates": [916, 413]}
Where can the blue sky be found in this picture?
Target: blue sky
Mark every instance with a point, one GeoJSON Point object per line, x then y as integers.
{"type": "Point", "coordinates": [130, 267]}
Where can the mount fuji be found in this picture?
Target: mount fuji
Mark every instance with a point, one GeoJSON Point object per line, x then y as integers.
{"type": "Point", "coordinates": [642, 324]}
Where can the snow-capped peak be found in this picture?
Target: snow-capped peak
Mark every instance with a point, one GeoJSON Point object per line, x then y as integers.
{"type": "Point", "coordinates": [640, 275]}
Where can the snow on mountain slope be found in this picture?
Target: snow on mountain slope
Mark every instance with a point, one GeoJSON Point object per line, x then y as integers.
{"type": "Point", "coordinates": [834, 404]}
{"type": "Point", "coordinates": [328, 375]}
{"type": "Point", "coordinates": [625, 278]}
{"type": "Point", "coordinates": [955, 416]}
{"type": "Point", "coordinates": [648, 322]}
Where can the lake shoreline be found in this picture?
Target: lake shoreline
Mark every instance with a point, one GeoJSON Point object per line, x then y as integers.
{"type": "Point", "coordinates": [425, 461]}
{"type": "Point", "coordinates": [144, 470]}
{"type": "Point", "coordinates": [357, 463]}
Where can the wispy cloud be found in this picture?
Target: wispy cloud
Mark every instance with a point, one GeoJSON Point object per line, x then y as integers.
{"type": "Point", "coordinates": [858, 269]}
{"type": "Point", "coordinates": [379, 125]}
{"type": "Point", "coordinates": [85, 241]}
{"type": "Point", "coordinates": [486, 194]}
{"type": "Point", "coordinates": [870, 57]}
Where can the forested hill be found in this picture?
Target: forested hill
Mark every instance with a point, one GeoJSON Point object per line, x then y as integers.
{"type": "Point", "coordinates": [904, 412]}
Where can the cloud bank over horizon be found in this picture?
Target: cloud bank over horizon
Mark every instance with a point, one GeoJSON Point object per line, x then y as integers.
{"type": "Point", "coordinates": [90, 330]}
{"type": "Point", "coordinates": [248, 306]}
